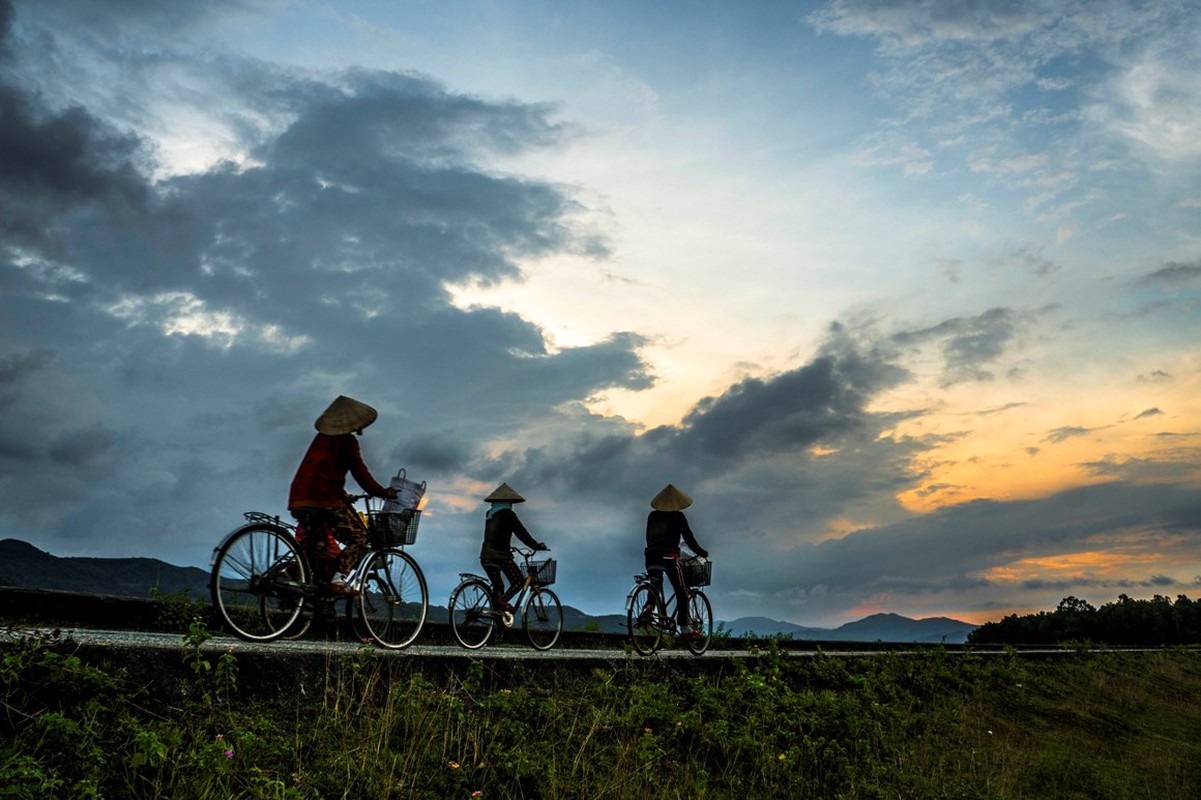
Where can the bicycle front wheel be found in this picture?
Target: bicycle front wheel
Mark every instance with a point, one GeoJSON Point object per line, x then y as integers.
{"type": "Point", "coordinates": [701, 614]}
{"type": "Point", "coordinates": [471, 618]}
{"type": "Point", "coordinates": [393, 600]}
{"type": "Point", "coordinates": [259, 582]}
{"type": "Point", "coordinates": [644, 618]}
{"type": "Point", "coordinates": [542, 618]}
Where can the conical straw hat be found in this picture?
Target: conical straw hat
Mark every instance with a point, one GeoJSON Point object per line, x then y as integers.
{"type": "Point", "coordinates": [345, 415]}
{"type": "Point", "coordinates": [504, 494]}
{"type": "Point", "coordinates": [671, 499]}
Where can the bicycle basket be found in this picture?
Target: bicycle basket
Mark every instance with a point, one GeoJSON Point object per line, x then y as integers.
{"type": "Point", "coordinates": [392, 529]}
{"type": "Point", "coordinates": [543, 572]}
{"type": "Point", "coordinates": [697, 571]}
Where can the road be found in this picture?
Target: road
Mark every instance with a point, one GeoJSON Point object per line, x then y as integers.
{"type": "Point", "coordinates": [222, 643]}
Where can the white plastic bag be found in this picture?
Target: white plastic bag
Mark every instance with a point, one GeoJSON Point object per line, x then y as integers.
{"type": "Point", "coordinates": [408, 493]}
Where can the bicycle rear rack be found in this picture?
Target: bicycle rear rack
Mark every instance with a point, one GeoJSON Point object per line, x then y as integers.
{"type": "Point", "coordinates": [268, 519]}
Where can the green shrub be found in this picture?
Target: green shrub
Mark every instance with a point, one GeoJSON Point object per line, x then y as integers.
{"type": "Point", "coordinates": [887, 726]}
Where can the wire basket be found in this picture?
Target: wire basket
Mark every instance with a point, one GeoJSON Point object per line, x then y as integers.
{"type": "Point", "coordinates": [697, 571]}
{"type": "Point", "coordinates": [393, 529]}
{"type": "Point", "coordinates": [543, 572]}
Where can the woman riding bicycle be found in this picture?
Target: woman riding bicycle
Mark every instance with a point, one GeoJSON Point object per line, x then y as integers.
{"type": "Point", "coordinates": [500, 525]}
{"type": "Point", "coordinates": [318, 498]}
{"type": "Point", "coordinates": [665, 527]}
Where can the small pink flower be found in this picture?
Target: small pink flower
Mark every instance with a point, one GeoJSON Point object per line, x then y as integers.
{"type": "Point", "coordinates": [453, 764]}
{"type": "Point", "coordinates": [220, 737]}
{"type": "Point", "coordinates": [229, 753]}
{"type": "Point", "coordinates": [477, 793]}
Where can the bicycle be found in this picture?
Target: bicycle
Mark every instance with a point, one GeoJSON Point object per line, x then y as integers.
{"type": "Point", "coordinates": [473, 611]}
{"type": "Point", "coordinates": [262, 582]}
{"type": "Point", "coordinates": [650, 618]}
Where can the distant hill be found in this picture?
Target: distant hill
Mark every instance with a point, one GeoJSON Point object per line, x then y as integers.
{"type": "Point", "coordinates": [23, 565]}
{"type": "Point", "coordinates": [763, 626]}
{"type": "Point", "coordinates": [876, 628]}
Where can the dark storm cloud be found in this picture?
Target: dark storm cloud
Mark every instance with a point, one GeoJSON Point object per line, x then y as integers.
{"type": "Point", "coordinates": [968, 343]}
{"type": "Point", "coordinates": [69, 155]}
{"type": "Point", "coordinates": [824, 401]}
{"type": "Point", "coordinates": [82, 446]}
{"type": "Point", "coordinates": [55, 157]}
{"type": "Point", "coordinates": [954, 547]}
{"type": "Point", "coordinates": [821, 402]}
{"type": "Point", "coordinates": [200, 322]}
{"type": "Point", "coordinates": [166, 342]}
{"type": "Point", "coordinates": [17, 366]}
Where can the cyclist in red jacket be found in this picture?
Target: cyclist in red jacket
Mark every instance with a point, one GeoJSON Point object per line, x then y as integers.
{"type": "Point", "coordinates": [318, 498]}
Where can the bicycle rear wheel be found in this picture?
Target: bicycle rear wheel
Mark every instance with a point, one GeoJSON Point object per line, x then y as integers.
{"type": "Point", "coordinates": [259, 582]}
{"type": "Point", "coordinates": [542, 618]}
{"type": "Point", "coordinates": [644, 617]}
{"type": "Point", "coordinates": [393, 600]}
{"type": "Point", "coordinates": [701, 614]}
{"type": "Point", "coordinates": [471, 618]}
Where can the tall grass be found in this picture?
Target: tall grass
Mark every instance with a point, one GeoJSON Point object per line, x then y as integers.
{"type": "Point", "coordinates": [891, 726]}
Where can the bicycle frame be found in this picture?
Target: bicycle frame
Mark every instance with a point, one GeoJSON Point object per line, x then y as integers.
{"type": "Point", "coordinates": [506, 617]}
{"type": "Point", "coordinates": [656, 615]}
{"type": "Point", "coordinates": [262, 575]}
{"type": "Point", "coordinates": [475, 608]}
{"type": "Point", "coordinates": [668, 624]}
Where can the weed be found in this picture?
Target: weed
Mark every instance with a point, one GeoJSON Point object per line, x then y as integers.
{"type": "Point", "coordinates": [934, 725]}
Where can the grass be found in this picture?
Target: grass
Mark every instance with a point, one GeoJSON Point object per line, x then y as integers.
{"type": "Point", "coordinates": [940, 725]}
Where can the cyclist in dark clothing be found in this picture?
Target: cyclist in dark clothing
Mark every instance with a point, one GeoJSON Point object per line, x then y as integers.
{"type": "Point", "coordinates": [666, 526]}
{"type": "Point", "coordinates": [500, 526]}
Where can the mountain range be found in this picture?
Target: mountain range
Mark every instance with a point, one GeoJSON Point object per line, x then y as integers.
{"type": "Point", "coordinates": [24, 566]}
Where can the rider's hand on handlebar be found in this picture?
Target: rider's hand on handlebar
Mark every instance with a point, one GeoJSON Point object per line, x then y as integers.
{"type": "Point", "coordinates": [541, 546]}
{"type": "Point", "coordinates": [390, 493]}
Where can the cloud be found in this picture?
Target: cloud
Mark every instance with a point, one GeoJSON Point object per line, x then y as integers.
{"type": "Point", "coordinates": [1173, 274]}
{"type": "Point", "coordinates": [1028, 95]}
{"type": "Point", "coordinates": [968, 343]}
{"type": "Point", "coordinates": [1060, 435]}
{"type": "Point", "coordinates": [171, 326]}
{"type": "Point", "coordinates": [1154, 105]}
{"type": "Point", "coordinates": [177, 333]}
{"type": "Point", "coordinates": [958, 549]}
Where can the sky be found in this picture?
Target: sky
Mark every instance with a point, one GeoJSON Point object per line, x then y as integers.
{"type": "Point", "coordinates": [904, 293]}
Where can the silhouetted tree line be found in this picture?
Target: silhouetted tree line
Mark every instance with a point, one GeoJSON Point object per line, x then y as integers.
{"type": "Point", "coordinates": [1126, 621]}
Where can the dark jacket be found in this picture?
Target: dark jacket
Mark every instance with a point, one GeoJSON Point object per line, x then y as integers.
{"type": "Point", "coordinates": [498, 533]}
{"type": "Point", "coordinates": [665, 529]}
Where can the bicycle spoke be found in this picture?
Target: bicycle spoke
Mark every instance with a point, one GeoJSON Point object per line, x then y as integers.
{"type": "Point", "coordinates": [701, 615]}
{"type": "Point", "coordinates": [251, 589]}
{"type": "Point", "coordinates": [471, 616]}
{"type": "Point", "coordinates": [393, 600]}
{"type": "Point", "coordinates": [644, 619]}
{"type": "Point", "coordinates": [543, 618]}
